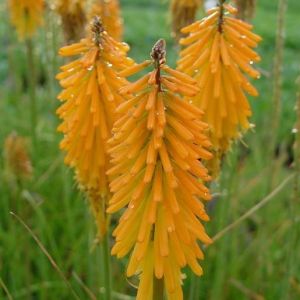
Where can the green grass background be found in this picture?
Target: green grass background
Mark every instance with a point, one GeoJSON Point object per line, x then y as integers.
{"type": "Point", "coordinates": [259, 259]}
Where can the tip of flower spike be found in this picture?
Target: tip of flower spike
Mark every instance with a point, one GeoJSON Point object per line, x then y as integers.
{"type": "Point", "coordinates": [97, 28]}
{"type": "Point", "coordinates": [158, 52]}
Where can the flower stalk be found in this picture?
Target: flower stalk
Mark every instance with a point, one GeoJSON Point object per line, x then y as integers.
{"type": "Point", "coordinates": [31, 77]}
{"type": "Point", "coordinates": [158, 55]}
{"type": "Point", "coordinates": [277, 88]}
{"type": "Point", "coordinates": [158, 289]}
{"type": "Point", "coordinates": [106, 261]}
{"type": "Point", "coordinates": [27, 17]}
{"type": "Point", "coordinates": [297, 145]}
{"type": "Point", "coordinates": [294, 235]}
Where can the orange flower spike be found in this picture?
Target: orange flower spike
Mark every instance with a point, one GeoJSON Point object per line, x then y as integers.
{"type": "Point", "coordinates": [26, 16]}
{"type": "Point", "coordinates": [246, 9]}
{"type": "Point", "coordinates": [88, 108]}
{"type": "Point", "coordinates": [109, 11]}
{"type": "Point", "coordinates": [183, 13]}
{"type": "Point", "coordinates": [219, 54]}
{"type": "Point", "coordinates": [16, 157]}
{"type": "Point", "coordinates": [157, 174]}
{"type": "Point", "coordinates": [73, 18]}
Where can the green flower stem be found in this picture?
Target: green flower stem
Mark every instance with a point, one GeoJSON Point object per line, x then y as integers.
{"type": "Point", "coordinates": [158, 289]}
{"type": "Point", "coordinates": [31, 77]}
{"type": "Point", "coordinates": [106, 266]}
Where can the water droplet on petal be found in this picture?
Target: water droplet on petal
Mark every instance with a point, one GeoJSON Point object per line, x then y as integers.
{"type": "Point", "coordinates": [90, 68]}
{"type": "Point", "coordinates": [251, 62]}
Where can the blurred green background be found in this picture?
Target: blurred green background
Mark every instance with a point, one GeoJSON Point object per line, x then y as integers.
{"type": "Point", "coordinates": [259, 259]}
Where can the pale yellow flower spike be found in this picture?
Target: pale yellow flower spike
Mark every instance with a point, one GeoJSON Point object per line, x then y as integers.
{"type": "Point", "coordinates": [219, 54]}
{"type": "Point", "coordinates": [157, 149]}
{"type": "Point", "coordinates": [183, 13]}
{"type": "Point", "coordinates": [90, 95]}
{"type": "Point", "coordinates": [26, 16]}
{"type": "Point", "coordinates": [109, 11]}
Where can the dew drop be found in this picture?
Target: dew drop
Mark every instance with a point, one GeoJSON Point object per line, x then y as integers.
{"type": "Point", "coordinates": [170, 229]}
{"type": "Point", "coordinates": [258, 77]}
{"type": "Point", "coordinates": [243, 37]}
{"type": "Point", "coordinates": [295, 130]}
{"type": "Point", "coordinates": [251, 62]}
{"type": "Point", "coordinates": [131, 206]}
{"type": "Point", "coordinates": [90, 68]}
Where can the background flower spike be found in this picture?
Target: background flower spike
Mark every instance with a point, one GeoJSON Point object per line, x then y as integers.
{"type": "Point", "coordinates": [183, 13]}
{"type": "Point", "coordinates": [218, 53]}
{"type": "Point", "coordinates": [246, 9]}
{"type": "Point", "coordinates": [26, 16]}
{"type": "Point", "coordinates": [110, 13]}
{"type": "Point", "coordinates": [73, 18]}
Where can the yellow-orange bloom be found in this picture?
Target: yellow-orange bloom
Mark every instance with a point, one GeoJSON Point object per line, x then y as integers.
{"type": "Point", "coordinates": [73, 18]}
{"type": "Point", "coordinates": [246, 8]}
{"type": "Point", "coordinates": [157, 150]}
{"type": "Point", "coordinates": [183, 13]}
{"type": "Point", "coordinates": [109, 11]}
{"type": "Point", "coordinates": [16, 157]}
{"type": "Point", "coordinates": [219, 55]}
{"type": "Point", "coordinates": [26, 16]}
{"type": "Point", "coordinates": [90, 95]}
